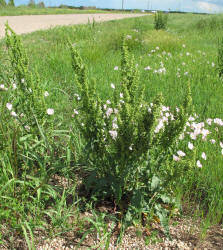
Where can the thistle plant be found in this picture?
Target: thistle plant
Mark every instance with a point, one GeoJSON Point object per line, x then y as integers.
{"type": "Point", "coordinates": [130, 143]}
{"type": "Point", "coordinates": [160, 21]}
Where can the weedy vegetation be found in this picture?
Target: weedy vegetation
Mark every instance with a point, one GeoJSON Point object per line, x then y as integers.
{"type": "Point", "coordinates": [105, 115]}
{"type": "Point", "coordinates": [160, 21]}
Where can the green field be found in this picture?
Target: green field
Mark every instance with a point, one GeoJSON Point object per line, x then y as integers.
{"type": "Point", "coordinates": [24, 10]}
{"type": "Point", "coordinates": [167, 61]}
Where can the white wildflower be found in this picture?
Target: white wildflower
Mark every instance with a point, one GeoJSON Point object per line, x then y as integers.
{"type": "Point", "coordinates": [193, 136]}
{"type": "Point", "coordinates": [199, 164]}
{"type": "Point", "coordinates": [27, 127]}
{"type": "Point", "coordinates": [190, 146]}
{"type": "Point", "coordinates": [218, 121]}
{"type": "Point", "coordinates": [109, 112]}
{"type": "Point", "coordinates": [9, 106]}
{"type": "Point", "coordinates": [203, 155]}
{"type": "Point", "coordinates": [181, 153]}
{"type": "Point", "coordinates": [116, 68]}
{"type": "Point", "coordinates": [164, 108]}
{"type": "Point", "coordinates": [112, 85]}
{"type": "Point", "coordinates": [113, 134]}
{"type": "Point", "coordinates": [46, 93]}
{"type": "Point", "coordinates": [114, 125]}
{"type": "Point", "coordinates": [50, 111]}
{"type": "Point", "coordinates": [13, 113]}
{"type": "Point", "coordinates": [159, 127]}
{"type": "Point", "coordinates": [147, 68]}
{"type": "Point", "coordinates": [191, 119]}
{"type": "Point", "coordinates": [212, 141]}
{"type": "Point", "coordinates": [14, 86]}
{"type": "Point", "coordinates": [209, 121]}
{"type": "Point", "coordinates": [115, 111]}
{"type": "Point", "coordinates": [176, 158]}
{"type": "Point", "coordinates": [76, 112]}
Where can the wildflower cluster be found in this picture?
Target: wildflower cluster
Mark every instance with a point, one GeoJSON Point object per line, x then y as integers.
{"type": "Point", "coordinates": [165, 63]}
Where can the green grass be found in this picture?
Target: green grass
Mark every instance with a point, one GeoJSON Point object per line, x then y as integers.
{"type": "Point", "coordinates": [24, 10]}
{"type": "Point", "coordinates": [100, 48]}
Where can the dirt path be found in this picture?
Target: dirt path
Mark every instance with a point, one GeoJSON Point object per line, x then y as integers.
{"type": "Point", "coordinates": [27, 24]}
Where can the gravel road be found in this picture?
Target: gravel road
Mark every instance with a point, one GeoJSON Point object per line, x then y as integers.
{"type": "Point", "coordinates": [27, 24]}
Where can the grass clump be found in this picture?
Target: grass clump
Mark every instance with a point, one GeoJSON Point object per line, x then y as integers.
{"type": "Point", "coordinates": [166, 41]}
{"type": "Point", "coordinates": [209, 23]}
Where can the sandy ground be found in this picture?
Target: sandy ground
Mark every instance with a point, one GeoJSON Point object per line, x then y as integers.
{"type": "Point", "coordinates": [27, 24]}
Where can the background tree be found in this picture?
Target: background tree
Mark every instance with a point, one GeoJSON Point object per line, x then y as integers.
{"type": "Point", "coordinates": [11, 3]}
{"type": "Point", "coordinates": [41, 5]}
{"type": "Point", "coordinates": [31, 3]}
{"type": "Point", "coordinates": [2, 3]}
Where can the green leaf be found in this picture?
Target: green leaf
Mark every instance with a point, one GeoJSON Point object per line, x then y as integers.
{"type": "Point", "coordinates": [155, 183]}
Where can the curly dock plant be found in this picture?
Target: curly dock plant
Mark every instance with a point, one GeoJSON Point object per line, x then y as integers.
{"type": "Point", "coordinates": [129, 146]}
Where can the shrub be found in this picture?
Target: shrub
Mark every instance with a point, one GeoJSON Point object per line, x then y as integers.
{"type": "Point", "coordinates": [220, 57]}
{"type": "Point", "coordinates": [129, 147]}
{"type": "Point", "coordinates": [160, 21]}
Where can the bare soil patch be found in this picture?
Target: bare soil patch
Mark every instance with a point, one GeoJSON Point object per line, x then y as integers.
{"type": "Point", "coordinates": [30, 23]}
